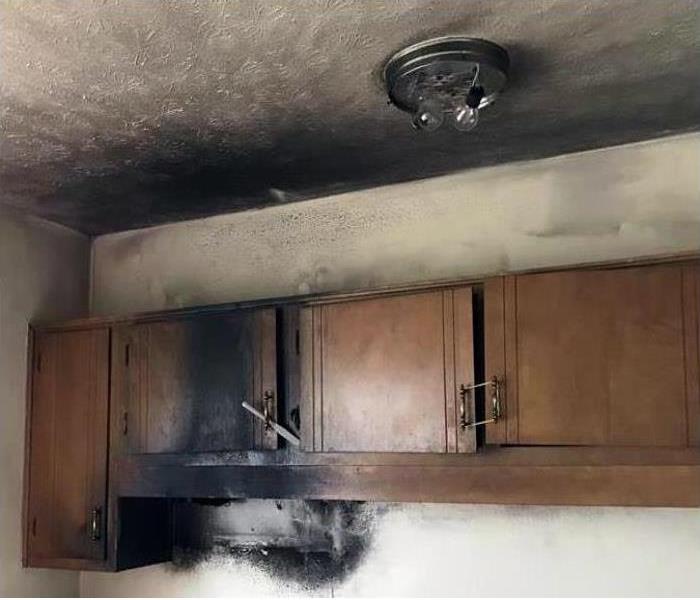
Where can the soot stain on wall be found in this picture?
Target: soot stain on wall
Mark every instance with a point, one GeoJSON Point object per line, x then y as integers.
{"type": "Point", "coordinates": [306, 543]}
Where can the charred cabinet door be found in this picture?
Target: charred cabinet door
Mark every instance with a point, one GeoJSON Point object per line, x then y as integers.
{"type": "Point", "coordinates": [595, 357]}
{"type": "Point", "coordinates": [178, 384]}
{"type": "Point", "coordinates": [67, 487]}
{"type": "Point", "coordinates": [383, 374]}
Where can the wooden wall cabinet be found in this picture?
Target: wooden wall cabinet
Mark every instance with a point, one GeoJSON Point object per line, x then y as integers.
{"type": "Point", "coordinates": [126, 414]}
{"type": "Point", "coordinates": [66, 479]}
{"type": "Point", "coordinates": [383, 374]}
{"type": "Point", "coordinates": [178, 384]}
{"type": "Point", "coordinates": [73, 518]}
{"type": "Point", "coordinates": [604, 357]}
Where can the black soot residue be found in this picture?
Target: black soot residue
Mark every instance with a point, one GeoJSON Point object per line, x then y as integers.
{"type": "Point", "coordinates": [299, 542]}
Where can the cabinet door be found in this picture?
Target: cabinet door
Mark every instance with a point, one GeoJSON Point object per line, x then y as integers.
{"type": "Point", "coordinates": [179, 384]}
{"type": "Point", "coordinates": [597, 357]}
{"type": "Point", "coordinates": [67, 483]}
{"type": "Point", "coordinates": [382, 374]}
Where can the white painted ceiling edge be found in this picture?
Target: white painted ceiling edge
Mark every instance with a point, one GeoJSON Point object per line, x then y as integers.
{"type": "Point", "coordinates": [621, 202]}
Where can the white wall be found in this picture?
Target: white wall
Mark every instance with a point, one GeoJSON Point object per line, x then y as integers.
{"type": "Point", "coordinates": [617, 203]}
{"type": "Point", "coordinates": [44, 274]}
{"type": "Point", "coordinates": [628, 201]}
{"type": "Point", "coordinates": [452, 550]}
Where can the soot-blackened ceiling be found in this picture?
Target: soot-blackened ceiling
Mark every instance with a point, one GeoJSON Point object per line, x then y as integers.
{"type": "Point", "coordinates": [118, 115]}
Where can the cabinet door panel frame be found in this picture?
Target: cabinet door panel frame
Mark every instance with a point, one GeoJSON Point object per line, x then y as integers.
{"type": "Point", "coordinates": [503, 321]}
{"type": "Point", "coordinates": [133, 380]}
{"type": "Point", "coordinates": [55, 537]}
{"type": "Point", "coordinates": [453, 326]}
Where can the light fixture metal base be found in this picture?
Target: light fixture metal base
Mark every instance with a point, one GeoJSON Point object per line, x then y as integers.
{"type": "Point", "coordinates": [444, 70]}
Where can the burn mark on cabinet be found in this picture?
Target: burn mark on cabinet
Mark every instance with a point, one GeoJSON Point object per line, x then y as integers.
{"type": "Point", "coordinates": [182, 382]}
{"type": "Point", "coordinates": [219, 386]}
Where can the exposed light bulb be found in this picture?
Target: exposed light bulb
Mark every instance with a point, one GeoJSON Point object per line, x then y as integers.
{"type": "Point", "coordinates": [465, 118]}
{"type": "Point", "coordinates": [429, 116]}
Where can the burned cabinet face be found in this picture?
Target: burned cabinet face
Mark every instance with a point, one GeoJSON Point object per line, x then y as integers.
{"type": "Point", "coordinates": [289, 371]}
{"type": "Point", "coordinates": [598, 357]}
{"type": "Point", "coordinates": [67, 456]}
{"type": "Point", "coordinates": [179, 385]}
{"type": "Point", "coordinates": [383, 374]}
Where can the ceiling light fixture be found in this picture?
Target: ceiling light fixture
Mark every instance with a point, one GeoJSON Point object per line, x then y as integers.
{"type": "Point", "coordinates": [448, 78]}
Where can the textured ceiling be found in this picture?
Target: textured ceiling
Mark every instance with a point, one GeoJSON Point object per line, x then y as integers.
{"type": "Point", "coordinates": [115, 115]}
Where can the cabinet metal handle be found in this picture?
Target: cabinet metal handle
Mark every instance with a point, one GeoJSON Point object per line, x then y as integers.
{"type": "Point", "coordinates": [464, 391]}
{"type": "Point", "coordinates": [268, 399]}
{"type": "Point", "coordinates": [96, 523]}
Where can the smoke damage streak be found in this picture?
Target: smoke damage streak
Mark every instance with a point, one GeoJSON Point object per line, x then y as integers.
{"type": "Point", "coordinates": [304, 542]}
